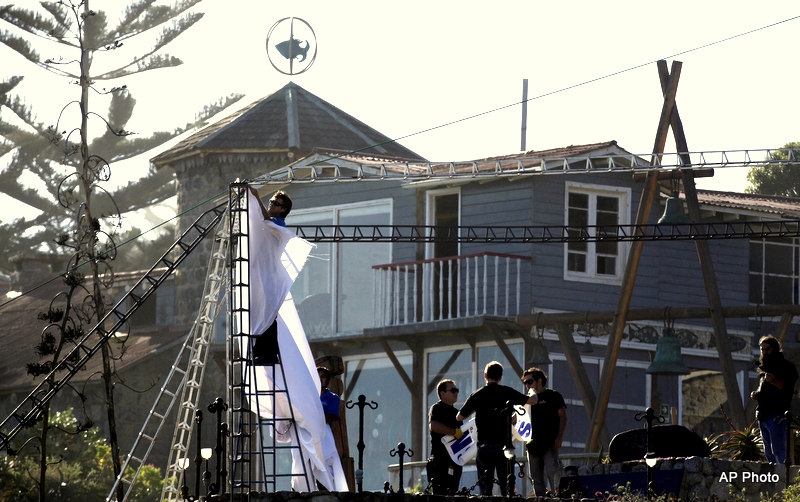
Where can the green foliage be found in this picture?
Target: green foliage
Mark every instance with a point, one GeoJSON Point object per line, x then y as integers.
{"type": "Point", "coordinates": [79, 467]}
{"type": "Point", "coordinates": [777, 179]}
{"type": "Point", "coordinates": [38, 149]}
{"type": "Point", "coordinates": [738, 445]}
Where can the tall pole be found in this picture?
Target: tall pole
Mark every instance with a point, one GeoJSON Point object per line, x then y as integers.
{"type": "Point", "coordinates": [522, 147]}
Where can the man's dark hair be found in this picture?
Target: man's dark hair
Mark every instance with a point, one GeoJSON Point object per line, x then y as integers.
{"type": "Point", "coordinates": [443, 386]}
{"type": "Point", "coordinates": [286, 202]}
{"type": "Point", "coordinates": [493, 371]}
{"type": "Point", "coordinates": [536, 374]}
{"type": "Point", "coordinates": [325, 371]}
{"type": "Point", "coordinates": [771, 341]}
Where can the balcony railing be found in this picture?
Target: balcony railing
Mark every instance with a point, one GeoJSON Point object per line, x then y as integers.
{"type": "Point", "coordinates": [450, 287]}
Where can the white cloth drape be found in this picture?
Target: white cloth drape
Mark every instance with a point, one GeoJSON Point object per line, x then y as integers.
{"type": "Point", "coordinates": [276, 256]}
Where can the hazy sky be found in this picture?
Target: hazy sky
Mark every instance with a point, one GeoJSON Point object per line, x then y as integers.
{"type": "Point", "coordinates": [409, 66]}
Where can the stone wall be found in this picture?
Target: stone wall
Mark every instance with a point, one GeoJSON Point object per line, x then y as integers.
{"type": "Point", "coordinates": [704, 478]}
{"type": "Point", "coordinates": [200, 178]}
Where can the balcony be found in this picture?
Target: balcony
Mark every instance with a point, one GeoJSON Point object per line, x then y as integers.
{"type": "Point", "coordinates": [451, 287]}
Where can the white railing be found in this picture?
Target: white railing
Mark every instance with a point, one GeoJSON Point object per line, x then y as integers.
{"type": "Point", "coordinates": [451, 287]}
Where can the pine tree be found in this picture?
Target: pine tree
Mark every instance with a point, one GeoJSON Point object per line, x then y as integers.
{"type": "Point", "coordinates": [73, 166]}
{"type": "Point", "coordinates": [777, 179]}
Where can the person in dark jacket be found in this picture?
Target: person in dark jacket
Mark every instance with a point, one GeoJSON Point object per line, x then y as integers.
{"type": "Point", "coordinates": [488, 403]}
{"type": "Point", "coordinates": [774, 395]}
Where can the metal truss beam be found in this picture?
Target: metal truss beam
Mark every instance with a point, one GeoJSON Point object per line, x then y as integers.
{"type": "Point", "coordinates": [348, 169]}
{"type": "Point", "coordinates": [545, 234]}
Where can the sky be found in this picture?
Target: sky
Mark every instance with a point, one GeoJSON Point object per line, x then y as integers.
{"type": "Point", "coordinates": [404, 68]}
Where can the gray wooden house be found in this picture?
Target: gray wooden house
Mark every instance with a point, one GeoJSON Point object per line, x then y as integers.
{"type": "Point", "coordinates": [403, 315]}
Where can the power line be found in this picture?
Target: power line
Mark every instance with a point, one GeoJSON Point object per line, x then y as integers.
{"type": "Point", "coordinates": [440, 126]}
{"type": "Point", "coordinates": [569, 87]}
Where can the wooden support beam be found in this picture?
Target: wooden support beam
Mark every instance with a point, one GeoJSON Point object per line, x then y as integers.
{"type": "Point", "coordinates": [783, 326]}
{"type": "Point", "coordinates": [732, 390]}
{"type": "Point", "coordinates": [398, 367]}
{"type": "Point", "coordinates": [418, 415]}
{"type": "Point", "coordinates": [654, 313]}
{"type": "Point", "coordinates": [706, 265]}
{"type": "Point", "coordinates": [579, 375]}
{"type": "Point", "coordinates": [351, 383]}
{"type": "Point", "coordinates": [443, 371]}
{"type": "Point", "coordinates": [497, 333]}
{"type": "Point", "coordinates": [672, 174]}
{"type": "Point", "coordinates": [632, 265]}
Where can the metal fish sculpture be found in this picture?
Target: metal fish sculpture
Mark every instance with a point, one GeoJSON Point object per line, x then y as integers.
{"type": "Point", "coordinates": [293, 47]}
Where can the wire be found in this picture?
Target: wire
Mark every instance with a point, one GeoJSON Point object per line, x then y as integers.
{"type": "Point", "coordinates": [563, 89]}
{"type": "Point", "coordinates": [440, 126]}
{"type": "Point", "coordinates": [85, 262]}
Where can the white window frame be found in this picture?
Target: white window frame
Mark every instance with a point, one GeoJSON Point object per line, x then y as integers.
{"type": "Point", "coordinates": [623, 194]}
{"type": "Point", "coordinates": [430, 206]}
{"type": "Point", "coordinates": [334, 211]}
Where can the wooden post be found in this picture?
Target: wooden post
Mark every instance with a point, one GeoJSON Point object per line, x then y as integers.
{"type": "Point", "coordinates": [706, 265]}
{"type": "Point", "coordinates": [732, 390]}
{"type": "Point", "coordinates": [632, 265]}
{"type": "Point", "coordinates": [497, 333]}
{"type": "Point", "coordinates": [783, 326]}
{"type": "Point", "coordinates": [579, 374]}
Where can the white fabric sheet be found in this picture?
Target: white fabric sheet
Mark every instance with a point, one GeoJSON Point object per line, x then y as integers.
{"type": "Point", "coordinates": [276, 256]}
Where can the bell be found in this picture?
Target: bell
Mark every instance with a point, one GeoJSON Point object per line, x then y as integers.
{"type": "Point", "coordinates": [673, 212]}
{"type": "Point", "coordinates": [539, 353]}
{"type": "Point", "coordinates": [668, 359]}
{"type": "Point", "coordinates": [587, 347]}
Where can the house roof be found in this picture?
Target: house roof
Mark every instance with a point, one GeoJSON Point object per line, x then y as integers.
{"type": "Point", "coordinates": [778, 206]}
{"type": "Point", "coordinates": [20, 332]}
{"type": "Point", "coordinates": [575, 155]}
{"type": "Point", "coordinates": [610, 147]}
{"type": "Point", "coordinates": [291, 118]}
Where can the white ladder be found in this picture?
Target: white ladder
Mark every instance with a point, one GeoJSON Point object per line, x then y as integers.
{"type": "Point", "coordinates": [184, 379]}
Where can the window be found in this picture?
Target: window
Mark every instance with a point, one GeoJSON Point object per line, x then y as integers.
{"type": "Point", "coordinates": [775, 271]}
{"type": "Point", "coordinates": [587, 206]}
{"type": "Point", "coordinates": [334, 291]}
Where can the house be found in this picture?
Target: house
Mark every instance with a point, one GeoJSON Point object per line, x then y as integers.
{"type": "Point", "coordinates": [405, 314]}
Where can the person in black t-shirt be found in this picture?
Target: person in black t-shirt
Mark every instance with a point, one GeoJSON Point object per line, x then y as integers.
{"type": "Point", "coordinates": [488, 404]}
{"type": "Point", "coordinates": [443, 474]}
{"type": "Point", "coordinates": [548, 421]}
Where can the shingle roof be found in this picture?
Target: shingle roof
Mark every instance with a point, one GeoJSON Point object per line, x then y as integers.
{"type": "Point", "coordinates": [530, 159]}
{"type": "Point", "coordinates": [563, 151]}
{"type": "Point", "coordinates": [290, 118]}
{"type": "Point", "coordinates": [20, 332]}
{"type": "Point", "coordinates": [783, 207]}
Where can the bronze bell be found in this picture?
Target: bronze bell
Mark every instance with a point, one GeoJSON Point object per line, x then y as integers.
{"type": "Point", "coordinates": [673, 212]}
{"type": "Point", "coordinates": [539, 353]}
{"type": "Point", "coordinates": [668, 359]}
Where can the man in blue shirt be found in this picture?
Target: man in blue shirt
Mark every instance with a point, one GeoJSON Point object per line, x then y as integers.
{"type": "Point", "coordinates": [279, 206]}
{"type": "Point", "coordinates": [330, 401]}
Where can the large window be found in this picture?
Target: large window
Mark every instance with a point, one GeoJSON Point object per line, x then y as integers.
{"type": "Point", "coordinates": [587, 206]}
{"type": "Point", "coordinates": [334, 291]}
{"type": "Point", "coordinates": [385, 426]}
{"type": "Point", "coordinates": [775, 271]}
